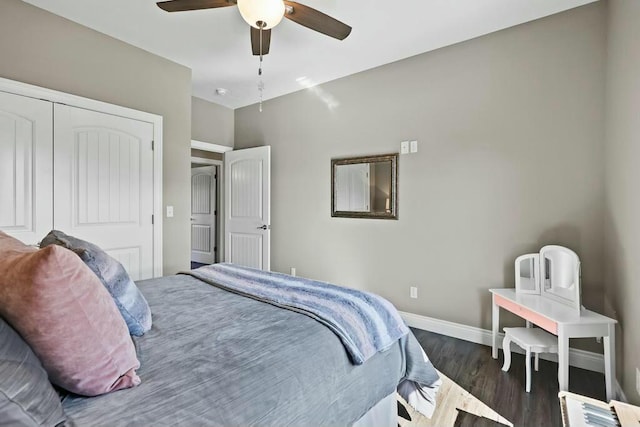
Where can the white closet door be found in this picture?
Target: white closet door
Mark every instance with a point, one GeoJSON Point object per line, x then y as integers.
{"type": "Point", "coordinates": [26, 126]}
{"type": "Point", "coordinates": [103, 184]}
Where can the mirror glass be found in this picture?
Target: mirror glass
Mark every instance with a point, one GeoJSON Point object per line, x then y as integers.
{"type": "Point", "coordinates": [526, 274]}
{"type": "Point", "coordinates": [561, 274]}
{"type": "Point", "coordinates": [365, 187]}
{"type": "Point", "coordinates": [560, 270]}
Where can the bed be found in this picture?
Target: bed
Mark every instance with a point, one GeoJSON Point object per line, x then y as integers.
{"type": "Point", "coordinates": [223, 345]}
{"type": "Point", "coordinates": [216, 358]}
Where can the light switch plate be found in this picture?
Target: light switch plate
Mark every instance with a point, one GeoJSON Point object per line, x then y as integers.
{"type": "Point", "coordinates": [404, 147]}
{"type": "Point", "coordinates": [413, 146]}
{"type": "Point", "coordinates": [169, 211]}
{"type": "Point", "coordinates": [413, 293]}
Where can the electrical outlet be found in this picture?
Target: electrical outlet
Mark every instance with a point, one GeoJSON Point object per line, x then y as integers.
{"type": "Point", "coordinates": [638, 380]}
{"type": "Point", "coordinates": [413, 146]}
{"type": "Point", "coordinates": [169, 211]}
{"type": "Point", "coordinates": [413, 292]}
{"type": "Point", "coordinates": [292, 271]}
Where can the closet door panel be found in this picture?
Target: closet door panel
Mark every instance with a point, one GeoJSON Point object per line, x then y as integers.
{"type": "Point", "coordinates": [26, 130]}
{"type": "Point", "coordinates": [104, 184]}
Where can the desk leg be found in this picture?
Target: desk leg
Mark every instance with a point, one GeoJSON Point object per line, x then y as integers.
{"type": "Point", "coordinates": [563, 360]}
{"type": "Point", "coordinates": [495, 324]}
{"type": "Point", "coordinates": [610, 361]}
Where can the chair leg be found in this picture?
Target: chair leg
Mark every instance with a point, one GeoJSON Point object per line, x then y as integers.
{"type": "Point", "coordinates": [528, 364]}
{"type": "Point", "coordinates": [536, 362]}
{"type": "Point", "coordinates": [506, 349]}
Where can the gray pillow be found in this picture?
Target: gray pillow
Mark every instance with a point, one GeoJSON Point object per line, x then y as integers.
{"type": "Point", "coordinates": [130, 302]}
{"type": "Point", "coordinates": [27, 398]}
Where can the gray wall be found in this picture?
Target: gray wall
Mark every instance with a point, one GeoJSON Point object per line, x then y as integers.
{"type": "Point", "coordinates": [622, 206]}
{"type": "Point", "coordinates": [510, 129]}
{"type": "Point", "coordinates": [43, 49]}
{"type": "Point", "coordinates": [211, 122]}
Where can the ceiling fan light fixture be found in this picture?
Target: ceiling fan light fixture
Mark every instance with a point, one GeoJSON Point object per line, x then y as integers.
{"type": "Point", "coordinates": [264, 14]}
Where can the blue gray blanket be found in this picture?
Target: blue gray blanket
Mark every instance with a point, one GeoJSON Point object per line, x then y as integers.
{"type": "Point", "coordinates": [365, 323]}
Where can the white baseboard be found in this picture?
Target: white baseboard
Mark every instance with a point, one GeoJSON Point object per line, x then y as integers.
{"type": "Point", "coordinates": [578, 358]}
{"type": "Point", "coordinates": [618, 392]}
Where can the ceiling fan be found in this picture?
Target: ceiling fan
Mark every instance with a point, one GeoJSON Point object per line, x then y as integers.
{"type": "Point", "coordinates": [263, 15]}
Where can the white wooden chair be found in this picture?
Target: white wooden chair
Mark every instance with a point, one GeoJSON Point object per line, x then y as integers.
{"type": "Point", "coordinates": [532, 340]}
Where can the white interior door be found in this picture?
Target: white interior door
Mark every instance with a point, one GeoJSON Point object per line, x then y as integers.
{"type": "Point", "coordinates": [103, 184]}
{"type": "Point", "coordinates": [203, 214]}
{"type": "Point", "coordinates": [26, 188]}
{"type": "Point", "coordinates": [248, 207]}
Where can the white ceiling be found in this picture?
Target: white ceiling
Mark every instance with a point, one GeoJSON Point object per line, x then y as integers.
{"type": "Point", "coordinates": [215, 43]}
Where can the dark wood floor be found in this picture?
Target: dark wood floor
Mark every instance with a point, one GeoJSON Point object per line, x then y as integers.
{"type": "Point", "coordinates": [195, 265]}
{"type": "Point", "coordinates": [472, 367]}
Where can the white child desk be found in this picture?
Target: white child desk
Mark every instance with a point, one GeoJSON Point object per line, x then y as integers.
{"type": "Point", "coordinates": [562, 321]}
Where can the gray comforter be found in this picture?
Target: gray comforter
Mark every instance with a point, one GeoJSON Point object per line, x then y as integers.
{"type": "Point", "coordinates": [219, 359]}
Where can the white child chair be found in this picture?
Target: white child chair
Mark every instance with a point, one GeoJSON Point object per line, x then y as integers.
{"type": "Point", "coordinates": [532, 340]}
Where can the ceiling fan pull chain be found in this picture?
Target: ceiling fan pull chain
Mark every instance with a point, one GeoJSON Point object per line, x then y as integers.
{"type": "Point", "coordinates": [260, 69]}
{"type": "Point", "coordinates": [260, 83]}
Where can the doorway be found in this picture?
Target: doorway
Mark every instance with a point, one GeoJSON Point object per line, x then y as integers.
{"type": "Point", "coordinates": [204, 154]}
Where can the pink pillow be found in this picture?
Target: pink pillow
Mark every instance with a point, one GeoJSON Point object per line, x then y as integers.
{"type": "Point", "coordinates": [68, 318]}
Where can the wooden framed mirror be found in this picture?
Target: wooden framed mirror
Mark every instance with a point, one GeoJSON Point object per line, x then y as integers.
{"type": "Point", "coordinates": [365, 187]}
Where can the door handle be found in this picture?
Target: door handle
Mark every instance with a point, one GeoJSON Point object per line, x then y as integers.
{"type": "Point", "coordinates": [264, 227]}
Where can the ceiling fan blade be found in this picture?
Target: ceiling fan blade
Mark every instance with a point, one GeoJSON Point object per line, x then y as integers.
{"type": "Point", "coordinates": [183, 5]}
{"type": "Point", "coordinates": [255, 41]}
{"type": "Point", "coordinates": [316, 20]}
